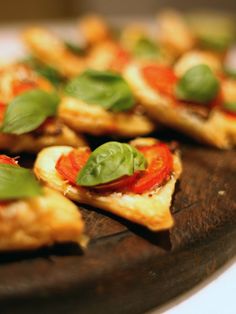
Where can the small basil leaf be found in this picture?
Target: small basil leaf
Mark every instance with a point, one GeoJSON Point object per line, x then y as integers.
{"type": "Point", "coordinates": [144, 48]}
{"type": "Point", "coordinates": [230, 106]}
{"type": "Point", "coordinates": [109, 162]}
{"type": "Point", "coordinates": [46, 71]}
{"type": "Point", "coordinates": [28, 111]}
{"type": "Point", "coordinates": [106, 89]}
{"type": "Point", "coordinates": [77, 50]}
{"type": "Point", "coordinates": [199, 84]}
{"type": "Point", "coordinates": [17, 182]}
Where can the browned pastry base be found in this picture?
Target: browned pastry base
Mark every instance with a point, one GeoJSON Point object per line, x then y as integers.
{"type": "Point", "coordinates": [34, 143]}
{"type": "Point", "coordinates": [93, 119]}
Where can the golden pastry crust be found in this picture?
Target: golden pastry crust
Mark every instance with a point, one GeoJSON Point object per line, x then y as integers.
{"type": "Point", "coordinates": [31, 143]}
{"type": "Point", "coordinates": [49, 49]}
{"type": "Point", "coordinates": [93, 119]}
{"type": "Point", "coordinates": [40, 221]}
{"type": "Point", "coordinates": [218, 129]}
{"type": "Point", "coordinates": [94, 29]}
{"type": "Point", "coordinates": [150, 209]}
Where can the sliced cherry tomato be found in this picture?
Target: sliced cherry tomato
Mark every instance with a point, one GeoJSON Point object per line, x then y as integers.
{"type": "Point", "coordinates": [7, 160]}
{"type": "Point", "coordinates": [120, 60]}
{"type": "Point", "coordinates": [118, 185]}
{"type": "Point", "coordinates": [160, 165]}
{"type": "Point", "coordinates": [160, 78]}
{"type": "Point", "coordinates": [2, 111]}
{"type": "Point", "coordinates": [69, 165]}
{"type": "Point", "coordinates": [21, 87]}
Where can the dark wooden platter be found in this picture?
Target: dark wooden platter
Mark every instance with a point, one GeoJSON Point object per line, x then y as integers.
{"type": "Point", "coordinates": [127, 269]}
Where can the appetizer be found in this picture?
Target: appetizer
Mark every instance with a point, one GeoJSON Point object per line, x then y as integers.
{"type": "Point", "coordinates": [29, 122]}
{"type": "Point", "coordinates": [32, 216]}
{"type": "Point", "coordinates": [101, 103]}
{"type": "Point", "coordinates": [201, 102]}
{"type": "Point", "coordinates": [135, 181]}
{"type": "Point", "coordinates": [54, 52]}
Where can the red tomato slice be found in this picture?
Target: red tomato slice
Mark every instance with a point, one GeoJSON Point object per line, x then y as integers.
{"type": "Point", "coordinates": [21, 87]}
{"type": "Point", "coordinates": [2, 111]}
{"type": "Point", "coordinates": [7, 160]}
{"type": "Point", "coordinates": [160, 78]}
{"type": "Point", "coordinates": [69, 165]}
{"type": "Point", "coordinates": [160, 165]}
{"type": "Point", "coordinates": [118, 185]}
{"type": "Point", "coordinates": [120, 60]}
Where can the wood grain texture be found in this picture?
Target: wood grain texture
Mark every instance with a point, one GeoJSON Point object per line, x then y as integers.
{"type": "Point", "coordinates": [126, 268]}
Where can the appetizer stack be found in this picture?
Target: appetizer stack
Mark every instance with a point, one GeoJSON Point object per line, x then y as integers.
{"type": "Point", "coordinates": [122, 86]}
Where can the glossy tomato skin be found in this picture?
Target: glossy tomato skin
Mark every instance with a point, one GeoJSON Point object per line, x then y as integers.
{"type": "Point", "coordinates": [160, 166]}
{"type": "Point", "coordinates": [4, 159]}
{"type": "Point", "coordinates": [122, 184]}
{"type": "Point", "coordinates": [160, 78]}
{"type": "Point", "coordinates": [68, 166]}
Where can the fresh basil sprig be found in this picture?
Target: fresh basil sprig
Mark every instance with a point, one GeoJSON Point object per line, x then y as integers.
{"type": "Point", "coordinates": [230, 106]}
{"type": "Point", "coordinates": [199, 84]}
{"type": "Point", "coordinates": [17, 182]}
{"type": "Point", "coordinates": [109, 162]}
{"type": "Point", "coordinates": [144, 48]}
{"type": "Point", "coordinates": [104, 88]}
{"type": "Point", "coordinates": [28, 111]}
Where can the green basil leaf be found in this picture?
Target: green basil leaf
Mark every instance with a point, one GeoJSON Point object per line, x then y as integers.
{"type": "Point", "coordinates": [75, 49]}
{"type": "Point", "coordinates": [109, 162]}
{"type": "Point", "coordinates": [28, 111]}
{"type": "Point", "coordinates": [106, 89]}
{"type": "Point", "coordinates": [199, 84]}
{"type": "Point", "coordinates": [46, 71]}
{"type": "Point", "coordinates": [230, 106]}
{"type": "Point", "coordinates": [144, 48]}
{"type": "Point", "coordinates": [17, 182]}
